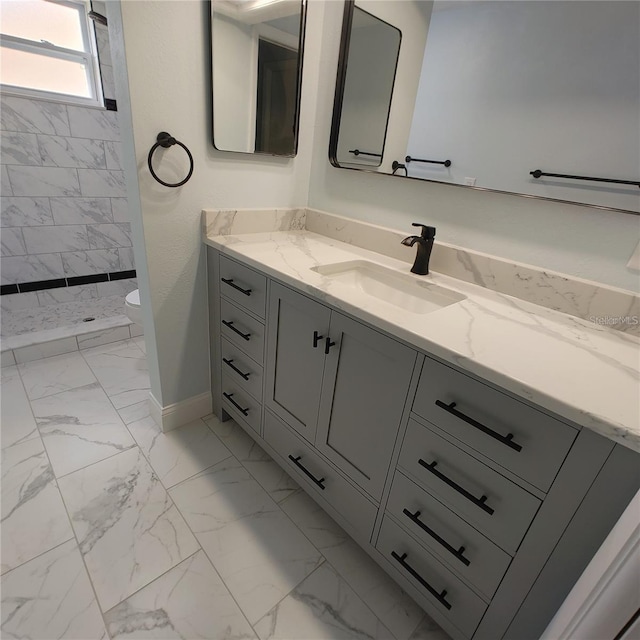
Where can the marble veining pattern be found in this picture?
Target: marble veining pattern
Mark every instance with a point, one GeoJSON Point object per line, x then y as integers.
{"type": "Point", "coordinates": [34, 519]}
{"type": "Point", "coordinates": [322, 606]}
{"type": "Point", "coordinates": [33, 116]}
{"type": "Point", "coordinates": [18, 424]}
{"type": "Point", "coordinates": [20, 148]}
{"type": "Point", "coordinates": [254, 547]}
{"type": "Point", "coordinates": [62, 314]}
{"type": "Point", "coordinates": [82, 263]}
{"type": "Point", "coordinates": [93, 123]}
{"type": "Point", "coordinates": [58, 151]}
{"type": "Point", "coordinates": [121, 369]}
{"type": "Point", "coordinates": [43, 181]}
{"type": "Point", "coordinates": [49, 376]}
{"type": "Point", "coordinates": [51, 597]}
{"type": "Point", "coordinates": [178, 454]}
{"type": "Point", "coordinates": [56, 239]}
{"type": "Point", "coordinates": [277, 482]}
{"type": "Point", "coordinates": [465, 334]}
{"type": "Point", "coordinates": [99, 183]}
{"type": "Point", "coordinates": [586, 300]}
{"type": "Point", "coordinates": [12, 242]}
{"type": "Point", "coordinates": [60, 165]}
{"type": "Point", "coordinates": [120, 499]}
{"type": "Point", "coordinates": [81, 210]}
{"type": "Point", "coordinates": [25, 211]}
{"type": "Point", "coordinates": [392, 605]}
{"type": "Point", "coordinates": [152, 578]}
{"type": "Point", "coordinates": [80, 427]}
{"type": "Point", "coordinates": [107, 236]}
{"type": "Point", "coordinates": [188, 602]}
{"type": "Point", "coordinates": [231, 221]}
{"type": "Point", "coordinates": [5, 183]}
{"type": "Point", "coordinates": [44, 266]}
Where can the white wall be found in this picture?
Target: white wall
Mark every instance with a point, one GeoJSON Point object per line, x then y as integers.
{"type": "Point", "coordinates": [167, 60]}
{"type": "Point", "coordinates": [509, 87]}
{"type": "Point", "coordinates": [581, 241]}
{"type": "Point", "coordinates": [168, 78]}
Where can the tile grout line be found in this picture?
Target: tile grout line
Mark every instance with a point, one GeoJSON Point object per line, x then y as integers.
{"type": "Point", "coordinates": [201, 548]}
{"type": "Point", "coordinates": [73, 531]}
{"type": "Point", "coordinates": [325, 559]}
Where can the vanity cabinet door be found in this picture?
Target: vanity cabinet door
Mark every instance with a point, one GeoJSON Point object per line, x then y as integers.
{"type": "Point", "coordinates": [364, 390]}
{"type": "Point", "coordinates": [297, 329]}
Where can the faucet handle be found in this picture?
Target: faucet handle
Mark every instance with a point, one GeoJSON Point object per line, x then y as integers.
{"type": "Point", "coordinates": [428, 233]}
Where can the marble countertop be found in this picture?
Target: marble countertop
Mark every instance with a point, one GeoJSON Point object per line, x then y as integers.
{"type": "Point", "coordinates": [583, 372]}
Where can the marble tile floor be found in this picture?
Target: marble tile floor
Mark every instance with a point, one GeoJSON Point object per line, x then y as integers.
{"type": "Point", "coordinates": [113, 529]}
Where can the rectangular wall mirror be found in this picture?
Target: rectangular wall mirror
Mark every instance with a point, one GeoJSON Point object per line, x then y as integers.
{"type": "Point", "coordinates": [533, 98]}
{"type": "Point", "coordinates": [373, 46]}
{"type": "Point", "coordinates": [256, 55]}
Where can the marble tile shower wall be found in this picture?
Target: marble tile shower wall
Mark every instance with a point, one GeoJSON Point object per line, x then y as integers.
{"type": "Point", "coordinates": [64, 209]}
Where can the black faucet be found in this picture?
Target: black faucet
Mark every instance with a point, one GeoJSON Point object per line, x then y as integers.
{"type": "Point", "coordinates": [425, 244]}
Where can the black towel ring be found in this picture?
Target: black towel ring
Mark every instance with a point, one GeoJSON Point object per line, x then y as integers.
{"type": "Point", "coordinates": [166, 140]}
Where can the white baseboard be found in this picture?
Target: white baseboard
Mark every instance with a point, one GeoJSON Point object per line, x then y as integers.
{"type": "Point", "coordinates": [179, 413]}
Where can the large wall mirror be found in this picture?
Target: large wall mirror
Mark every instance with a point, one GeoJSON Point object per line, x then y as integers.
{"type": "Point", "coordinates": [494, 95]}
{"type": "Point", "coordinates": [256, 54]}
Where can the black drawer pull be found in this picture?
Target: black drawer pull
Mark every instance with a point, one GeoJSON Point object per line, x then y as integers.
{"type": "Point", "coordinates": [479, 502]}
{"type": "Point", "coordinates": [508, 439]}
{"type": "Point", "coordinates": [306, 472]}
{"type": "Point", "coordinates": [457, 553]}
{"type": "Point", "coordinates": [244, 412]}
{"type": "Point", "coordinates": [231, 283]}
{"type": "Point", "coordinates": [233, 366]}
{"type": "Point", "coordinates": [440, 597]}
{"type": "Point", "coordinates": [316, 338]}
{"type": "Point", "coordinates": [244, 336]}
{"type": "Point", "coordinates": [327, 345]}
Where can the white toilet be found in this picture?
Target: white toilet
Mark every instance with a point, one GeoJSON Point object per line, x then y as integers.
{"type": "Point", "coordinates": [132, 307]}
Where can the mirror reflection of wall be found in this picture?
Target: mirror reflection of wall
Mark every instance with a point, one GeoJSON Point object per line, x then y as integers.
{"type": "Point", "coordinates": [505, 88]}
{"type": "Point", "coordinates": [374, 46]}
{"type": "Point", "coordinates": [256, 65]}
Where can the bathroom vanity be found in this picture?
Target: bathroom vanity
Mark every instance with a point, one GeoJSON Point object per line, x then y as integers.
{"type": "Point", "coordinates": [477, 446]}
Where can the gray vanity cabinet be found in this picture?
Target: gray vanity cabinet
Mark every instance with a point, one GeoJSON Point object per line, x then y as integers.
{"type": "Point", "coordinates": [484, 508]}
{"type": "Point", "coordinates": [339, 384]}
{"type": "Point", "coordinates": [364, 390]}
{"type": "Point", "coordinates": [297, 330]}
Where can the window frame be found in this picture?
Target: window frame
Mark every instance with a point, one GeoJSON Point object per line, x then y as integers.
{"type": "Point", "coordinates": [88, 58]}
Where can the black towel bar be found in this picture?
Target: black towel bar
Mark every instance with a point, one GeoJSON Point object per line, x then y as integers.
{"type": "Point", "coordinates": [357, 152]}
{"type": "Point", "coordinates": [446, 163]}
{"type": "Point", "coordinates": [538, 173]}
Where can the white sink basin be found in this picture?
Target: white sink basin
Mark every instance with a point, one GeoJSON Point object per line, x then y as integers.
{"type": "Point", "coordinates": [400, 290]}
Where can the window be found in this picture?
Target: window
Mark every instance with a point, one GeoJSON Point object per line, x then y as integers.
{"type": "Point", "coordinates": [47, 50]}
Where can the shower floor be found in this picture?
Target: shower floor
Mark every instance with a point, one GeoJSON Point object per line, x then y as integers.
{"type": "Point", "coordinates": [56, 316]}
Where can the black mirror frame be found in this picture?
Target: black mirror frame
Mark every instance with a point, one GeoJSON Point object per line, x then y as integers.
{"type": "Point", "coordinates": [296, 121]}
{"type": "Point", "coordinates": [341, 73]}
{"type": "Point", "coordinates": [341, 78]}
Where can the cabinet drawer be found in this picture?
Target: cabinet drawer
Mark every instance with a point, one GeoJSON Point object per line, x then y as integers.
{"type": "Point", "coordinates": [240, 404]}
{"type": "Point", "coordinates": [472, 556]}
{"type": "Point", "coordinates": [242, 369]}
{"type": "Point", "coordinates": [242, 330]}
{"type": "Point", "coordinates": [491, 503]}
{"type": "Point", "coordinates": [359, 512]}
{"type": "Point", "coordinates": [444, 591]}
{"type": "Point", "coordinates": [243, 285]}
{"type": "Point", "coordinates": [483, 418]}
